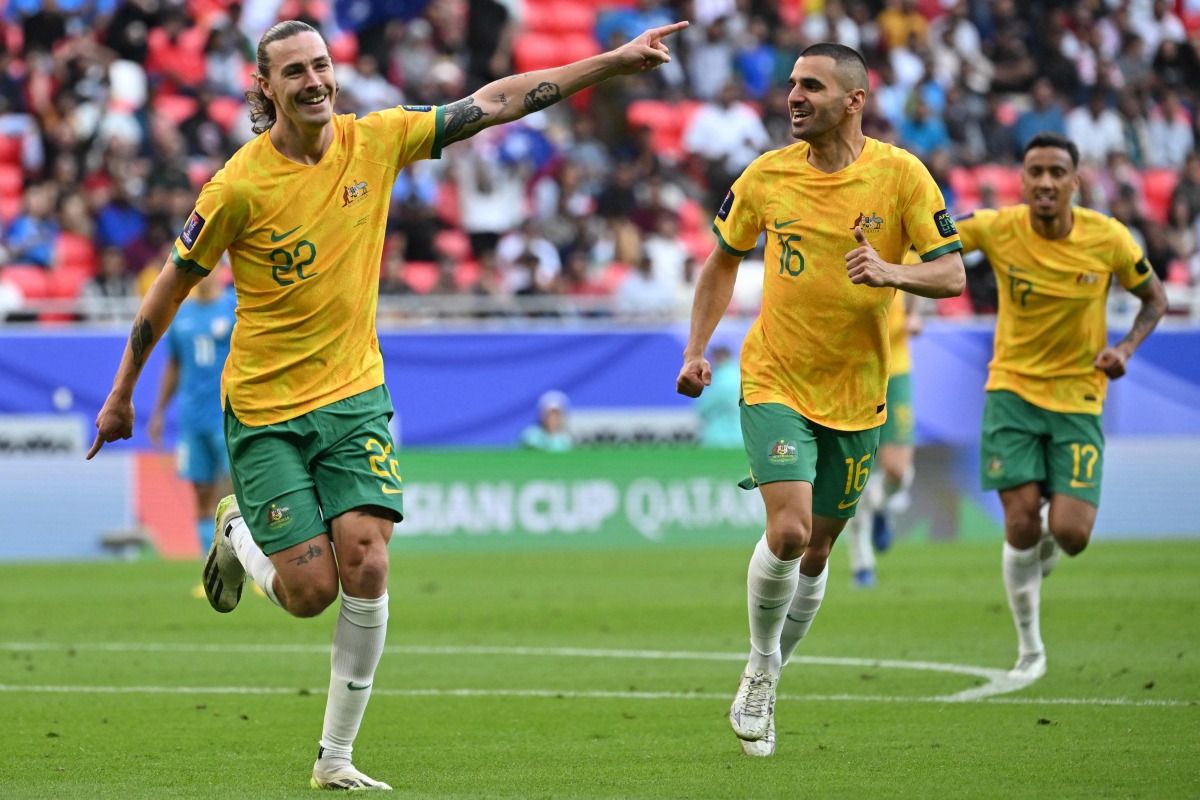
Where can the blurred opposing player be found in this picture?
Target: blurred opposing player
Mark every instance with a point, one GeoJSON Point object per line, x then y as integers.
{"type": "Point", "coordinates": [887, 494]}
{"type": "Point", "coordinates": [839, 211]}
{"type": "Point", "coordinates": [302, 213]}
{"type": "Point", "coordinates": [198, 344]}
{"type": "Point", "coordinates": [1047, 380]}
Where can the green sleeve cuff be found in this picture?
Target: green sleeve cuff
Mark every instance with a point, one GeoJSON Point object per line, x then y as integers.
{"type": "Point", "coordinates": [186, 263]}
{"type": "Point", "coordinates": [938, 252]}
{"type": "Point", "coordinates": [1142, 284]}
{"type": "Point", "coordinates": [727, 247]}
{"type": "Point", "coordinates": [439, 132]}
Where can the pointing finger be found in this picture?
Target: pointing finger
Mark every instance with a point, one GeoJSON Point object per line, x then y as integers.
{"type": "Point", "coordinates": [96, 445]}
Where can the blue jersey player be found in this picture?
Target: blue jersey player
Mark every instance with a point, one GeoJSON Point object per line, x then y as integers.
{"type": "Point", "coordinates": [197, 346]}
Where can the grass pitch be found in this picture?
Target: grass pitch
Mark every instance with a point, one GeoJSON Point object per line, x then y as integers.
{"type": "Point", "coordinates": [608, 675]}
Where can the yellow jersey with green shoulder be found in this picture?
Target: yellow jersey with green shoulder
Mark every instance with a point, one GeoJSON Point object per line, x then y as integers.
{"type": "Point", "coordinates": [820, 343]}
{"type": "Point", "coordinates": [1051, 321]}
{"type": "Point", "coordinates": [305, 243]}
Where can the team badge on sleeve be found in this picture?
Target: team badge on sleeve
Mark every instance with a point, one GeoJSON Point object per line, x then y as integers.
{"type": "Point", "coordinates": [417, 108]}
{"type": "Point", "coordinates": [192, 229]}
{"type": "Point", "coordinates": [945, 224]}
{"type": "Point", "coordinates": [726, 206]}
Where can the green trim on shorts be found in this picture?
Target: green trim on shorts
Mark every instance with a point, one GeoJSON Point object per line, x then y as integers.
{"type": "Point", "coordinates": [900, 425]}
{"type": "Point", "coordinates": [1023, 443]}
{"type": "Point", "coordinates": [291, 478]}
{"type": "Point", "coordinates": [783, 445]}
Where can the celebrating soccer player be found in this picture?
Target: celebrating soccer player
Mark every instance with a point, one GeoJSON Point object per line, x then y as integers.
{"type": "Point", "coordinates": [301, 211]}
{"type": "Point", "coordinates": [839, 211]}
{"type": "Point", "coordinates": [1047, 380]}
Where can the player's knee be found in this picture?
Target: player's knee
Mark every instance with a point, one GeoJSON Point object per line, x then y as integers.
{"type": "Point", "coordinates": [788, 539]}
{"type": "Point", "coordinates": [1025, 524]}
{"type": "Point", "coordinates": [311, 599]}
{"type": "Point", "coordinates": [1073, 541]}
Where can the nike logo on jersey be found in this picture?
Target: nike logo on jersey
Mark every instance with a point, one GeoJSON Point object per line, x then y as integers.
{"type": "Point", "coordinates": [844, 505]}
{"type": "Point", "coordinates": [283, 235]}
{"type": "Point", "coordinates": [350, 685]}
{"type": "Point", "coordinates": [779, 224]}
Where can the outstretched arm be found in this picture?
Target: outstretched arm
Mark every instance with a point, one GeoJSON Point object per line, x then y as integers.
{"type": "Point", "coordinates": [511, 98]}
{"type": "Point", "coordinates": [1154, 304]}
{"type": "Point", "coordinates": [158, 308]}
{"type": "Point", "coordinates": [714, 290]}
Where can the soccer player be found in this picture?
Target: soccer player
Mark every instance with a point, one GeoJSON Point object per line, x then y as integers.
{"type": "Point", "coordinates": [301, 211]}
{"type": "Point", "coordinates": [1050, 370]}
{"type": "Point", "coordinates": [839, 211]}
{"type": "Point", "coordinates": [887, 489]}
{"type": "Point", "coordinates": [198, 344]}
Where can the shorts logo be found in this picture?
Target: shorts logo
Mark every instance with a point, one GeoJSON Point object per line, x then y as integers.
{"type": "Point", "coordinates": [353, 193]}
{"type": "Point", "coordinates": [782, 452]}
{"type": "Point", "coordinates": [192, 229]}
{"type": "Point", "coordinates": [945, 224]}
{"type": "Point", "coordinates": [726, 206]}
{"type": "Point", "coordinates": [995, 467]}
{"type": "Point", "coordinates": [279, 517]}
{"type": "Point", "coordinates": [868, 222]}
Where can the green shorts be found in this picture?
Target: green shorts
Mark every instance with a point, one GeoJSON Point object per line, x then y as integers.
{"type": "Point", "coordinates": [900, 425]}
{"type": "Point", "coordinates": [292, 477]}
{"type": "Point", "coordinates": [1023, 443]}
{"type": "Point", "coordinates": [782, 445]}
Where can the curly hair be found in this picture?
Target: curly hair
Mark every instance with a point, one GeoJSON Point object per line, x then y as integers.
{"type": "Point", "coordinates": [262, 109]}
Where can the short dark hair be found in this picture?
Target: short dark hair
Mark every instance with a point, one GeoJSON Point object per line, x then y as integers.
{"type": "Point", "coordinates": [262, 110]}
{"type": "Point", "coordinates": [848, 62]}
{"type": "Point", "coordinates": [1048, 139]}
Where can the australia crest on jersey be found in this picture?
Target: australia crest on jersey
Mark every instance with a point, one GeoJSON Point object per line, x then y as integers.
{"type": "Point", "coordinates": [782, 452]}
{"type": "Point", "coordinates": [868, 221]}
{"type": "Point", "coordinates": [353, 193]}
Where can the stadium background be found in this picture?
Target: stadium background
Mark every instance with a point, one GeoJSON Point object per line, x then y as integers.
{"type": "Point", "coordinates": [560, 252]}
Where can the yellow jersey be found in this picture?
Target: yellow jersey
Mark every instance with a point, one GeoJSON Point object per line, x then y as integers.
{"type": "Point", "coordinates": [1051, 320]}
{"type": "Point", "coordinates": [305, 243]}
{"type": "Point", "coordinates": [901, 358]}
{"type": "Point", "coordinates": [820, 343]}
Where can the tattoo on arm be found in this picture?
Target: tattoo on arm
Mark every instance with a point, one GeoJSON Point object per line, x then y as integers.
{"type": "Point", "coordinates": [308, 555]}
{"type": "Point", "coordinates": [503, 99]}
{"type": "Point", "coordinates": [1144, 323]}
{"type": "Point", "coordinates": [140, 340]}
{"type": "Point", "coordinates": [544, 96]}
{"type": "Point", "coordinates": [458, 116]}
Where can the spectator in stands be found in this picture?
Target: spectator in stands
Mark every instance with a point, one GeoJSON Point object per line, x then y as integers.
{"type": "Point", "coordinates": [710, 65]}
{"type": "Point", "coordinates": [923, 132]}
{"type": "Point", "coordinates": [367, 87]}
{"type": "Point", "coordinates": [832, 25]}
{"type": "Point", "coordinates": [492, 26]}
{"type": "Point", "coordinates": [1014, 69]}
{"type": "Point", "coordinates": [1132, 63]}
{"type": "Point", "coordinates": [527, 240]}
{"type": "Point", "coordinates": [491, 191]}
{"type": "Point", "coordinates": [642, 295]}
{"type": "Point", "coordinates": [1055, 65]}
{"type": "Point", "coordinates": [103, 297]}
{"type": "Point", "coordinates": [1045, 117]}
{"type": "Point", "coordinates": [1170, 133]}
{"type": "Point", "coordinates": [1182, 244]}
{"type": "Point", "coordinates": [1159, 26]}
{"type": "Point", "coordinates": [1188, 188]}
{"type": "Point", "coordinates": [898, 21]}
{"type": "Point", "coordinates": [1096, 128]}
{"type": "Point", "coordinates": [1176, 66]}
{"type": "Point", "coordinates": [393, 279]}
{"type": "Point", "coordinates": [725, 135]}
{"type": "Point", "coordinates": [754, 60]}
{"type": "Point", "coordinates": [30, 237]}
{"type": "Point", "coordinates": [1134, 127]}
{"type": "Point", "coordinates": [549, 434]}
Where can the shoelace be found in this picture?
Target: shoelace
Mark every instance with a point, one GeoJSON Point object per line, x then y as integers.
{"type": "Point", "coordinates": [757, 696]}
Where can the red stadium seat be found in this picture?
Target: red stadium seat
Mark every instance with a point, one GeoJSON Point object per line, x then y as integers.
{"type": "Point", "coordinates": [614, 275]}
{"type": "Point", "coordinates": [344, 48]}
{"type": "Point", "coordinates": [75, 252]}
{"type": "Point", "coordinates": [199, 172]}
{"type": "Point", "coordinates": [698, 243]}
{"type": "Point", "coordinates": [33, 281]}
{"type": "Point", "coordinates": [966, 189]}
{"type": "Point", "coordinates": [225, 111]}
{"type": "Point", "coordinates": [693, 217]}
{"type": "Point", "coordinates": [534, 51]}
{"type": "Point", "coordinates": [467, 274]}
{"type": "Point", "coordinates": [1005, 181]}
{"type": "Point", "coordinates": [67, 281]}
{"type": "Point", "coordinates": [421, 275]}
{"type": "Point", "coordinates": [12, 180]}
{"type": "Point", "coordinates": [560, 17]}
{"type": "Point", "coordinates": [446, 204]}
{"type": "Point", "coordinates": [1157, 187]}
{"type": "Point", "coordinates": [1177, 273]}
{"type": "Point", "coordinates": [175, 107]}
{"type": "Point", "coordinates": [454, 243]}
{"type": "Point", "coordinates": [959, 306]}
{"type": "Point", "coordinates": [667, 123]}
{"type": "Point", "coordinates": [10, 150]}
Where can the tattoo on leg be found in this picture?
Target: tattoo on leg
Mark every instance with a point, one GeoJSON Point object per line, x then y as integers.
{"type": "Point", "coordinates": [544, 96]}
{"type": "Point", "coordinates": [312, 552]}
{"type": "Point", "coordinates": [140, 339]}
{"type": "Point", "coordinates": [458, 116]}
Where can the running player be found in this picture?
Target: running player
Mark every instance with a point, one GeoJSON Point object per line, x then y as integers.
{"type": "Point", "coordinates": [302, 211]}
{"type": "Point", "coordinates": [839, 211]}
{"type": "Point", "coordinates": [1047, 380]}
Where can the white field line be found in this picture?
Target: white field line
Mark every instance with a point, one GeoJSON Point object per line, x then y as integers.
{"type": "Point", "coordinates": [996, 680]}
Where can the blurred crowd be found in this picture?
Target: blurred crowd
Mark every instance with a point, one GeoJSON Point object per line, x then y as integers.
{"type": "Point", "coordinates": [113, 113]}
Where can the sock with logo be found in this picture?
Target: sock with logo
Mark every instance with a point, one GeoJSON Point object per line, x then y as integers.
{"type": "Point", "coordinates": [770, 584]}
{"type": "Point", "coordinates": [254, 560]}
{"type": "Point", "coordinates": [1023, 583]}
{"type": "Point", "coordinates": [204, 532]}
{"type": "Point", "coordinates": [357, 645]}
{"type": "Point", "coordinates": [858, 541]}
{"type": "Point", "coordinates": [810, 591]}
